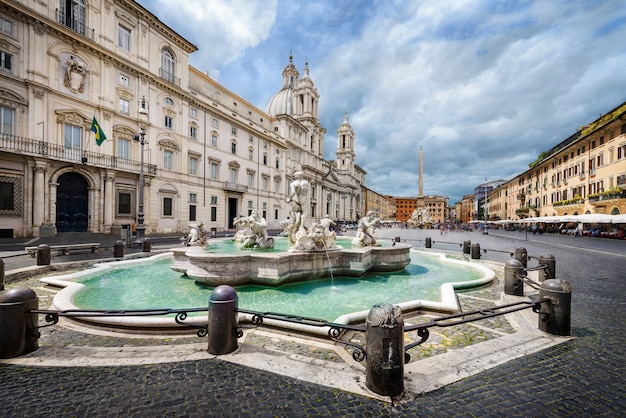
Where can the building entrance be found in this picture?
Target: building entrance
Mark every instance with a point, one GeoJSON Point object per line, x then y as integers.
{"type": "Point", "coordinates": [72, 203]}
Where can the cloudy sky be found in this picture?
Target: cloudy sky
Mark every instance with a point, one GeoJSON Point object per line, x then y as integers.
{"type": "Point", "coordinates": [483, 86]}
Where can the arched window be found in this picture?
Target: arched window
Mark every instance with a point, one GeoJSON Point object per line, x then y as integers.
{"type": "Point", "coordinates": [167, 66]}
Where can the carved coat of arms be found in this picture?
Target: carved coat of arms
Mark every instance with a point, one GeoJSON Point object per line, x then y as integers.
{"type": "Point", "coordinates": [75, 75]}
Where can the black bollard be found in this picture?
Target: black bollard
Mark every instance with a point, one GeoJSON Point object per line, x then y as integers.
{"type": "Point", "coordinates": [512, 284]}
{"type": "Point", "coordinates": [466, 246]}
{"type": "Point", "coordinates": [521, 255]}
{"type": "Point", "coordinates": [18, 328]}
{"type": "Point", "coordinates": [43, 255]}
{"type": "Point", "coordinates": [396, 239]}
{"type": "Point", "coordinates": [147, 245]}
{"type": "Point", "coordinates": [118, 249]}
{"type": "Point", "coordinates": [550, 271]}
{"type": "Point", "coordinates": [475, 251]}
{"type": "Point", "coordinates": [384, 335]}
{"type": "Point", "coordinates": [222, 322]}
{"type": "Point", "coordinates": [1, 274]}
{"type": "Point", "coordinates": [428, 243]}
{"type": "Point", "coordinates": [555, 315]}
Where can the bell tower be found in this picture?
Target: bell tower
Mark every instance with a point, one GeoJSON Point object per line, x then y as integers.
{"type": "Point", "coordinates": [345, 146]}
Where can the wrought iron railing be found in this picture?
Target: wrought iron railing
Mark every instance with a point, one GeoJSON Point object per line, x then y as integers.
{"type": "Point", "coordinates": [76, 25]}
{"type": "Point", "coordinates": [28, 146]}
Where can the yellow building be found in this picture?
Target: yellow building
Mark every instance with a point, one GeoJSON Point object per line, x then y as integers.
{"type": "Point", "coordinates": [586, 173]}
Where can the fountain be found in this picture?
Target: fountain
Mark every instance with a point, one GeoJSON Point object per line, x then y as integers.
{"type": "Point", "coordinates": [312, 255]}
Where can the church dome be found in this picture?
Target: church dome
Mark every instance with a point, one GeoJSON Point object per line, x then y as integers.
{"type": "Point", "coordinates": [282, 102]}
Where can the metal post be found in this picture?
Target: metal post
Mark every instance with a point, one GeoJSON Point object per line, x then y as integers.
{"type": "Point", "coordinates": [222, 320]}
{"type": "Point", "coordinates": [475, 255]}
{"type": "Point", "coordinates": [140, 231]}
{"type": "Point", "coordinates": [43, 255]}
{"type": "Point", "coordinates": [555, 315]}
{"type": "Point", "coordinates": [428, 243]}
{"type": "Point", "coordinates": [512, 284]}
{"type": "Point", "coordinates": [384, 334]}
{"type": "Point", "coordinates": [18, 328]}
{"type": "Point", "coordinates": [1, 274]}
{"type": "Point", "coordinates": [550, 271]}
{"type": "Point", "coordinates": [466, 246]}
{"type": "Point", "coordinates": [118, 249]}
{"type": "Point", "coordinates": [147, 245]}
{"type": "Point", "coordinates": [521, 255]}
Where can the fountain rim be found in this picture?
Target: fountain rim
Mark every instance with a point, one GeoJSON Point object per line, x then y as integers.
{"type": "Point", "coordinates": [63, 301]}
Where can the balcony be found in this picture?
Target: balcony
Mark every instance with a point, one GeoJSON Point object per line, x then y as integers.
{"type": "Point", "coordinates": [169, 77]}
{"type": "Point", "coordinates": [35, 148]}
{"type": "Point", "coordinates": [615, 193]}
{"type": "Point", "coordinates": [69, 21]}
{"type": "Point", "coordinates": [568, 202]}
{"type": "Point", "coordinates": [234, 187]}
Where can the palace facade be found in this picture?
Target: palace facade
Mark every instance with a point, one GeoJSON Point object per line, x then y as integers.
{"type": "Point", "coordinates": [76, 71]}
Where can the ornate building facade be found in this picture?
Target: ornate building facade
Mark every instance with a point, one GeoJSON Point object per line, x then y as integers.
{"type": "Point", "coordinates": [74, 71]}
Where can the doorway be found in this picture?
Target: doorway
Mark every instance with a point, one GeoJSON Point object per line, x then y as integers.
{"type": "Point", "coordinates": [72, 203]}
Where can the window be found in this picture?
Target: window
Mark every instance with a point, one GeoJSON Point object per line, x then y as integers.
{"type": "Point", "coordinates": [124, 206]}
{"type": "Point", "coordinates": [6, 120]}
{"type": "Point", "coordinates": [192, 212]}
{"type": "Point", "coordinates": [250, 179]}
{"type": "Point", "coordinates": [602, 140]}
{"type": "Point", "coordinates": [193, 198]}
{"type": "Point", "coordinates": [250, 154]}
{"type": "Point", "coordinates": [124, 80]}
{"type": "Point", "coordinates": [123, 37]}
{"type": "Point", "coordinates": [213, 214]}
{"type": "Point", "coordinates": [233, 148]}
{"type": "Point", "coordinates": [277, 185]}
{"type": "Point", "coordinates": [233, 131]}
{"type": "Point", "coordinates": [169, 101]}
{"type": "Point", "coordinates": [213, 171]}
{"type": "Point", "coordinates": [7, 196]}
{"type": "Point", "coordinates": [72, 14]}
{"type": "Point", "coordinates": [124, 106]}
{"type": "Point", "coordinates": [214, 200]}
{"type": "Point", "coordinates": [193, 166]}
{"type": "Point", "coordinates": [277, 163]}
{"type": "Point", "coordinates": [167, 160]}
{"type": "Point", "coordinates": [193, 112]}
{"type": "Point", "coordinates": [168, 204]}
{"type": "Point", "coordinates": [123, 148]}
{"type": "Point", "coordinates": [6, 62]}
{"type": "Point", "coordinates": [265, 159]}
{"type": "Point", "coordinates": [72, 140]}
{"type": "Point", "coordinates": [6, 26]}
{"type": "Point", "coordinates": [193, 132]}
{"type": "Point", "coordinates": [233, 175]}
{"type": "Point", "coordinates": [215, 123]}
{"type": "Point", "coordinates": [214, 140]}
{"type": "Point", "coordinates": [168, 122]}
{"type": "Point", "coordinates": [167, 66]}
{"type": "Point", "coordinates": [251, 139]}
{"type": "Point", "coordinates": [264, 183]}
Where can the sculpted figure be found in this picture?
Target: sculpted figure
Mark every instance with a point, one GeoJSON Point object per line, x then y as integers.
{"type": "Point", "coordinates": [365, 230]}
{"type": "Point", "coordinates": [196, 236]}
{"type": "Point", "coordinates": [299, 200]}
{"type": "Point", "coordinates": [259, 237]}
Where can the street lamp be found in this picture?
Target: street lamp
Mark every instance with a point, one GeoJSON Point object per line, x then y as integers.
{"type": "Point", "coordinates": [485, 230]}
{"type": "Point", "coordinates": [140, 137]}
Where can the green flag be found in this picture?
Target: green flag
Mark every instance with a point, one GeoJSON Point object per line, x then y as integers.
{"type": "Point", "coordinates": [100, 136]}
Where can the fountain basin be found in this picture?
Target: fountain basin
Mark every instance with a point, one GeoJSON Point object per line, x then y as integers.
{"type": "Point", "coordinates": [274, 269]}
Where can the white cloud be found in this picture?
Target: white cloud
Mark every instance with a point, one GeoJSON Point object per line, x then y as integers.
{"type": "Point", "coordinates": [483, 85]}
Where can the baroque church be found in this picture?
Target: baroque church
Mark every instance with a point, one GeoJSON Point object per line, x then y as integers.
{"type": "Point", "coordinates": [103, 121]}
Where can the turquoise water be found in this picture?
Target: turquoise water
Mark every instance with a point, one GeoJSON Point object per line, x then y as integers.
{"type": "Point", "coordinates": [155, 286]}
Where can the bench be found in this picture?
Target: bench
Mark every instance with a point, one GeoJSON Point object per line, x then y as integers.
{"type": "Point", "coordinates": [64, 249]}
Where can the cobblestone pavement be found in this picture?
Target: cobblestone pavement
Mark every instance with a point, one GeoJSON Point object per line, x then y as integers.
{"type": "Point", "coordinates": [582, 377]}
